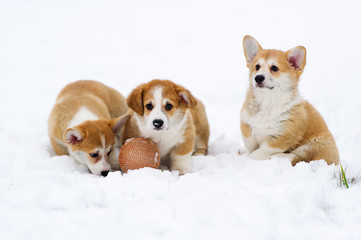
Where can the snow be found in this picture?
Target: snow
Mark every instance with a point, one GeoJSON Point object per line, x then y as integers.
{"type": "Point", "coordinates": [46, 44]}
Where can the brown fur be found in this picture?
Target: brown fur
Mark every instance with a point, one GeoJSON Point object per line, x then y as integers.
{"type": "Point", "coordinates": [105, 102]}
{"type": "Point", "coordinates": [304, 135]}
{"type": "Point", "coordinates": [196, 134]}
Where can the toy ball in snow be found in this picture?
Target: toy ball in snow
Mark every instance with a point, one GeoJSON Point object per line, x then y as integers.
{"type": "Point", "coordinates": [138, 153]}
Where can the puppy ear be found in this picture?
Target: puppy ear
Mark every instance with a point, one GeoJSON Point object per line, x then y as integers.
{"type": "Point", "coordinates": [251, 48]}
{"type": "Point", "coordinates": [73, 136]}
{"type": "Point", "coordinates": [135, 100]}
{"type": "Point", "coordinates": [297, 57]}
{"type": "Point", "coordinates": [185, 96]}
{"type": "Point", "coordinates": [116, 124]}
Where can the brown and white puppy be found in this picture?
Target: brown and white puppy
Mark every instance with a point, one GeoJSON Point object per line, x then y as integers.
{"type": "Point", "coordinates": [172, 118]}
{"type": "Point", "coordinates": [275, 120]}
{"type": "Point", "coordinates": [85, 123]}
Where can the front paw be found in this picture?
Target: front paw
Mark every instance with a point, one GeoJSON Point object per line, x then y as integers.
{"type": "Point", "coordinates": [181, 163]}
{"type": "Point", "coordinates": [242, 151]}
{"type": "Point", "coordinates": [182, 171]}
{"type": "Point", "coordinates": [258, 155]}
{"type": "Point", "coordinates": [182, 166]}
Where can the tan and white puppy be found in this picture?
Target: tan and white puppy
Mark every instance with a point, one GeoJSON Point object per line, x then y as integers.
{"type": "Point", "coordinates": [172, 118]}
{"type": "Point", "coordinates": [85, 123]}
{"type": "Point", "coordinates": [275, 120]}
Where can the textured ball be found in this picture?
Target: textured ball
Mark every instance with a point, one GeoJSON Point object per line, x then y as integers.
{"type": "Point", "coordinates": [138, 153]}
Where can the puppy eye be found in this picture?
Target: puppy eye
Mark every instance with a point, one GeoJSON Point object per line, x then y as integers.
{"type": "Point", "coordinates": [274, 68]}
{"type": "Point", "coordinates": [109, 152]}
{"type": "Point", "coordinates": [258, 67]}
{"type": "Point", "coordinates": [168, 107]}
{"type": "Point", "coordinates": [94, 155]}
{"type": "Point", "coordinates": [149, 106]}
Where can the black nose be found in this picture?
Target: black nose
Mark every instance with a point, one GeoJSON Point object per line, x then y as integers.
{"type": "Point", "coordinates": [259, 78]}
{"type": "Point", "coordinates": [158, 123]}
{"type": "Point", "coordinates": [104, 173]}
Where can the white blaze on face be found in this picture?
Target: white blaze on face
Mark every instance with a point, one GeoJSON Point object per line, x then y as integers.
{"type": "Point", "coordinates": [281, 83]}
{"type": "Point", "coordinates": [264, 70]}
{"type": "Point", "coordinates": [157, 112]}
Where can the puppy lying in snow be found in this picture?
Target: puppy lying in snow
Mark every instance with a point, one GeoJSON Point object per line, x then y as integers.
{"type": "Point", "coordinates": [85, 123]}
{"type": "Point", "coordinates": [172, 118]}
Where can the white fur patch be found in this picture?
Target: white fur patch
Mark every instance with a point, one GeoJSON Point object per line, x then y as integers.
{"type": "Point", "coordinates": [271, 109]}
{"type": "Point", "coordinates": [264, 152]}
{"type": "Point", "coordinates": [181, 163]}
{"type": "Point", "coordinates": [157, 111]}
{"type": "Point", "coordinates": [81, 116]}
{"type": "Point", "coordinates": [165, 139]}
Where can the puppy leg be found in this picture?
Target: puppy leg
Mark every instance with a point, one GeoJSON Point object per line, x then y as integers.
{"type": "Point", "coordinates": [250, 141]}
{"type": "Point", "coordinates": [202, 130]}
{"type": "Point", "coordinates": [181, 163]}
{"type": "Point", "coordinates": [264, 152]}
{"type": "Point", "coordinates": [316, 149]}
{"type": "Point", "coordinates": [201, 146]}
{"type": "Point", "coordinates": [180, 157]}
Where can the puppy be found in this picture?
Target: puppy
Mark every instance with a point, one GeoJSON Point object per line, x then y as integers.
{"type": "Point", "coordinates": [85, 123]}
{"type": "Point", "coordinates": [275, 120]}
{"type": "Point", "coordinates": [172, 118]}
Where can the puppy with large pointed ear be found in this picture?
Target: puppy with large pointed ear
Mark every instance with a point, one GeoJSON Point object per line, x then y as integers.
{"type": "Point", "coordinates": [275, 120]}
{"type": "Point", "coordinates": [296, 57]}
{"type": "Point", "coordinates": [172, 118]}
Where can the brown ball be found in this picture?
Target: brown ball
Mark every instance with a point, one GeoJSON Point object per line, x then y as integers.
{"type": "Point", "coordinates": [138, 153]}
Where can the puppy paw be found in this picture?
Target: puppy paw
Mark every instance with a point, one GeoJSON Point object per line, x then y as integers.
{"type": "Point", "coordinates": [241, 151]}
{"type": "Point", "coordinates": [181, 163]}
{"type": "Point", "coordinates": [182, 171]}
{"type": "Point", "coordinates": [258, 155]}
{"type": "Point", "coordinates": [200, 152]}
{"type": "Point", "coordinates": [181, 168]}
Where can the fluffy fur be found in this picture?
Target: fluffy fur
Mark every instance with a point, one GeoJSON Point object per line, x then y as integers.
{"type": "Point", "coordinates": [171, 117]}
{"type": "Point", "coordinates": [85, 123]}
{"type": "Point", "coordinates": [275, 120]}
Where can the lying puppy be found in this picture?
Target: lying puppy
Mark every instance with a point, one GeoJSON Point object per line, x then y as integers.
{"type": "Point", "coordinates": [172, 118]}
{"type": "Point", "coordinates": [275, 120]}
{"type": "Point", "coordinates": [85, 122]}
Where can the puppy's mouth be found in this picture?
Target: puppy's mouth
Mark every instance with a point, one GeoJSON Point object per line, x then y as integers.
{"type": "Point", "coordinates": [158, 129]}
{"type": "Point", "coordinates": [261, 85]}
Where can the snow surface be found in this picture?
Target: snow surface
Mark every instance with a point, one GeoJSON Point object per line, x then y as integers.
{"type": "Point", "coordinates": [46, 44]}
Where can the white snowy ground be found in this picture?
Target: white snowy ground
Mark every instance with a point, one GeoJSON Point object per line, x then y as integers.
{"type": "Point", "coordinates": [46, 44]}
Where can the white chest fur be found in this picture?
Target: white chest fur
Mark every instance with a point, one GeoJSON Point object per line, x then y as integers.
{"type": "Point", "coordinates": [272, 109]}
{"type": "Point", "coordinates": [166, 140]}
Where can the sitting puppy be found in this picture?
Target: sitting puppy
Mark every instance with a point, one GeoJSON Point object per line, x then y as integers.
{"type": "Point", "coordinates": [85, 123]}
{"type": "Point", "coordinates": [275, 120]}
{"type": "Point", "coordinates": [172, 118]}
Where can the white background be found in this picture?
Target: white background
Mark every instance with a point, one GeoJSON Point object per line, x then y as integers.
{"type": "Point", "coordinates": [46, 44]}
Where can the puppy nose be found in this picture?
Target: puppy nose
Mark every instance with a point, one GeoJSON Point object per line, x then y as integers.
{"type": "Point", "coordinates": [259, 78]}
{"type": "Point", "coordinates": [104, 173]}
{"type": "Point", "coordinates": [158, 123]}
